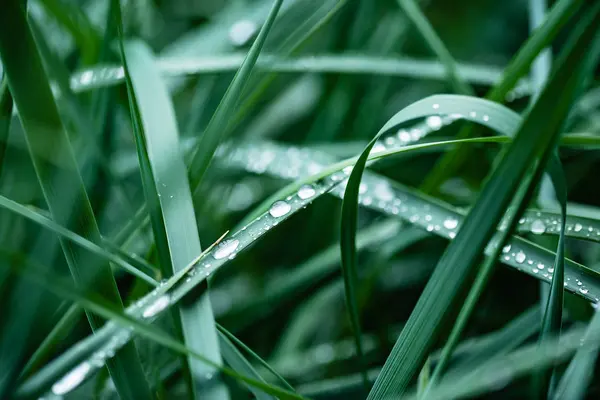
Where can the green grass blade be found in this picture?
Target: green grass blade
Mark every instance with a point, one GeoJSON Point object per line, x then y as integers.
{"type": "Point", "coordinates": [81, 241]}
{"type": "Point", "coordinates": [220, 120]}
{"type": "Point", "coordinates": [46, 134]}
{"type": "Point", "coordinates": [530, 145]}
{"type": "Point", "coordinates": [519, 66]}
{"type": "Point", "coordinates": [108, 75]}
{"type": "Point", "coordinates": [411, 9]}
{"type": "Point", "coordinates": [6, 107]}
{"type": "Point", "coordinates": [169, 199]}
{"type": "Point", "coordinates": [579, 373]}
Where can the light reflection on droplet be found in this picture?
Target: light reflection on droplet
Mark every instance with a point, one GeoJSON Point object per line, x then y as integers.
{"type": "Point", "coordinates": [226, 248]}
{"type": "Point", "coordinates": [72, 379]}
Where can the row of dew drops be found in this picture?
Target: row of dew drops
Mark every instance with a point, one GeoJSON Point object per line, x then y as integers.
{"type": "Point", "coordinates": [381, 194]}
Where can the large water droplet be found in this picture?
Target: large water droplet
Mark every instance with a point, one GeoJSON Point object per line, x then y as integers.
{"type": "Point", "coordinates": [434, 122]}
{"type": "Point", "coordinates": [72, 379]}
{"type": "Point", "coordinates": [538, 227]}
{"type": "Point", "coordinates": [506, 248]}
{"type": "Point", "coordinates": [520, 257]}
{"type": "Point", "coordinates": [279, 209]}
{"type": "Point", "coordinates": [157, 306]}
{"type": "Point", "coordinates": [450, 223]}
{"type": "Point", "coordinates": [226, 248]}
{"type": "Point", "coordinates": [306, 192]}
{"type": "Point", "coordinates": [578, 227]}
{"type": "Point", "coordinates": [241, 32]}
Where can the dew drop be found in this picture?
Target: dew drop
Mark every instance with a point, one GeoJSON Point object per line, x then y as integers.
{"type": "Point", "coordinates": [436, 106]}
{"type": "Point", "coordinates": [520, 257]}
{"type": "Point", "coordinates": [506, 248]}
{"type": "Point", "coordinates": [241, 32]}
{"type": "Point", "coordinates": [404, 136]}
{"type": "Point", "coordinates": [72, 379]}
{"type": "Point", "coordinates": [540, 266]}
{"type": "Point", "coordinates": [226, 248]}
{"type": "Point", "coordinates": [429, 228]}
{"type": "Point", "coordinates": [538, 227]}
{"type": "Point", "coordinates": [279, 209]}
{"type": "Point", "coordinates": [584, 291]}
{"type": "Point", "coordinates": [378, 148]}
{"type": "Point", "coordinates": [306, 192]}
{"type": "Point", "coordinates": [452, 235]}
{"type": "Point", "coordinates": [450, 223]}
{"type": "Point", "coordinates": [486, 118]}
{"type": "Point", "coordinates": [362, 188]}
{"type": "Point", "coordinates": [434, 122]}
{"type": "Point", "coordinates": [157, 306]}
{"type": "Point", "coordinates": [578, 227]}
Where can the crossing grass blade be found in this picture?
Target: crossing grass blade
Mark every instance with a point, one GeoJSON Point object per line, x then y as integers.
{"type": "Point", "coordinates": [64, 192]}
{"type": "Point", "coordinates": [532, 146]}
{"type": "Point", "coordinates": [411, 9]}
{"type": "Point", "coordinates": [519, 66]}
{"type": "Point", "coordinates": [212, 135]}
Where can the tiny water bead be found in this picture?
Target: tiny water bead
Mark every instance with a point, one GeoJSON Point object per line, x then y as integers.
{"type": "Point", "coordinates": [279, 209]}
{"type": "Point", "coordinates": [434, 122]}
{"type": "Point", "coordinates": [578, 227]}
{"type": "Point", "coordinates": [450, 223]}
{"type": "Point", "coordinates": [72, 379]}
{"type": "Point", "coordinates": [306, 192]}
{"type": "Point", "coordinates": [226, 248]}
{"type": "Point", "coordinates": [506, 248]}
{"type": "Point", "coordinates": [538, 227]}
{"type": "Point", "coordinates": [157, 306]}
{"type": "Point", "coordinates": [377, 148]}
{"type": "Point", "coordinates": [520, 257]}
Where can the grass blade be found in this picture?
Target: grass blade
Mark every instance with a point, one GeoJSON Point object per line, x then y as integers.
{"type": "Point", "coordinates": [6, 106]}
{"type": "Point", "coordinates": [212, 134]}
{"type": "Point", "coordinates": [169, 199]}
{"type": "Point", "coordinates": [46, 134]}
{"type": "Point", "coordinates": [436, 45]}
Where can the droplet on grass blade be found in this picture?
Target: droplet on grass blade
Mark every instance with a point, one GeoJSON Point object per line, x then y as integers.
{"type": "Point", "coordinates": [279, 209]}
{"type": "Point", "coordinates": [226, 248]}
{"type": "Point", "coordinates": [72, 379]}
{"type": "Point", "coordinates": [538, 227]}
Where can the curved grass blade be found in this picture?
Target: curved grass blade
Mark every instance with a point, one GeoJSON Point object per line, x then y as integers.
{"type": "Point", "coordinates": [64, 192]}
{"type": "Point", "coordinates": [212, 134]}
{"type": "Point", "coordinates": [519, 66]}
{"type": "Point", "coordinates": [81, 241]}
{"type": "Point", "coordinates": [108, 75]}
{"type": "Point", "coordinates": [529, 150]}
{"type": "Point", "coordinates": [411, 9]}
{"type": "Point", "coordinates": [169, 200]}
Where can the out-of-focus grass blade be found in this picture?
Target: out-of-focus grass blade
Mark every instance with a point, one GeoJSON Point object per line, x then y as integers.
{"type": "Point", "coordinates": [66, 199]}
{"type": "Point", "coordinates": [98, 305]}
{"type": "Point", "coordinates": [579, 373]}
{"type": "Point", "coordinates": [480, 379]}
{"type": "Point", "coordinates": [108, 75]}
{"type": "Point", "coordinates": [81, 241]}
{"type": "Point", "coordinates": [436, 45]}
{"type": "Point", "coordinates": [169, 200]}
{"type": "Point", "coordinates": [6, 106]}
{"type": "Point", "coordinates": [519, 66]}
{"type": "Point", "coordinates": [212, 135]}
{"type": "Point", "coordinates": [531, 148]}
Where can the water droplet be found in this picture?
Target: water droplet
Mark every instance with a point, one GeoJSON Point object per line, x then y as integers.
{"type": "Point", "coordinates": [538, 227]}
{"type": "Point", "coordinates": [452, 235]}
{"type": "Point", "coordinates": [434, 122]}
{"type": "Point", "coordinates": [450, 223]}
{"type": "Point", "coordinates": [473, 114]}
{"type": "Point", "coordinates": [279, 209]}
{"type": "Point", "coordinates": [306, 192]}
{"type": "Point", "coordinates": [241, 32]}
{"type": "Point", "coordinates": [436, 106]}
{"type": "Point", "coordinates": [226, 248]}
{"type": "Point", "coordinates": [157, 306]}
{"type": "Point", "coordinates": [584, 291]}
{"type": "Point", "coordinates": [362, 188]}
{"type": "Point", "coordinates": [348, 170]}
{"type": "Point", "coordinates": [429, 228]}
{"type": "Point", "coordinates": [72, 379]}
{"type": "Point", "coordinates": [506, 248]}
{"type": "Point", "coordinates": [486, 118]}
{"type": "Point", "coordinates": [520, 257]}
{"type": "Point", "coordinates": [404, 136]}
{"type": "Point", "coordinates": [578, 227]}
{"type": "Point", "coordinates": [540, 266]}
